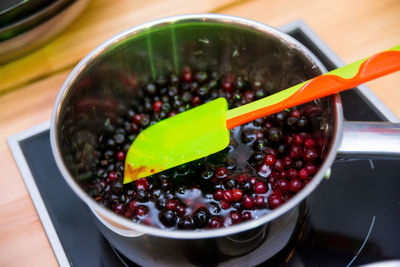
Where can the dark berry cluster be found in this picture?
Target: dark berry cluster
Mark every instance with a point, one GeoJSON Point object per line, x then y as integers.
{"type": "Point", "coordinates": [266, 163]}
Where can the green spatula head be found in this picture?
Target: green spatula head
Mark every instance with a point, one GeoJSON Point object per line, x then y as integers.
{"type": "Point", "coordinates": [164, 144]}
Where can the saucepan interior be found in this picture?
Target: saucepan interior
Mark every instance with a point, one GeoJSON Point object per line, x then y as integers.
{"type": "Point", "coordinates": [113, 75]}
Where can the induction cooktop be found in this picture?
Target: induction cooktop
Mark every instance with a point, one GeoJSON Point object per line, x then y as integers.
{"type": "Point", "coordinates": [353, 217]}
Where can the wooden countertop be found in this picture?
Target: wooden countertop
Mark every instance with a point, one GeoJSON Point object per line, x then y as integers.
{"type": "Point", "coordinates": [353, 29]}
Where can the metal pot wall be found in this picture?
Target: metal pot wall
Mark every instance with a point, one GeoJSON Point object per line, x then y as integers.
{"type": "Point", "coordinates": [109, 77]}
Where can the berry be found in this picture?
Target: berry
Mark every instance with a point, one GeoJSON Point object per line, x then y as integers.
{"type": "Point", "coordinates": [172, 204]}
{"type": "Point", "coordinates": [237, 194]}
{"type": "Point", "coordinates": [274, 201]}
{"type": "Point", "coordinates": [218, 194]}
{"type": "Point", "coordinates": [292, 173]}
{"type": "Point", "coordinates": [142, 184]}
{"type": "Point", "coordinates": [311, 168]}
{"type": "Point", "coordinates": [157, 106]}
{"type": "Point", "coordinates": [221, 173]}
{"type": "Point", "coordinates": [295, 185]}
{"type": "Point", "coordinates": [167, 218]}
{"type": "Point", "coordinates": [236, 217]}
{"type": "Point", "coordinates": [119, 208]}
{"type": "Point", "coordinates": [295, 114]}
{"type": "Point", "coordinates": [260, 188]}
{"type": "Point", "coordinates": [216, 222]}
{"type": "Point", "coordinates": [228, 196]}
{"type": "Point", "coordinates": [303, 173]}
{"type": "Point", "coordinates": [259, 202]}
{"type": "Point", "coordinates": [269, 159]}
{"type": "Point", "coordinates": [309, 143]}
{"type": "Point", "coordinates": [121, 155]}
{"type": "Point", "coordinates": [224, 204]}
{"type": "Point", "coordinates": [201, 217]}
{"type": "Point", "coordinates": [296, 152]}
{"type": "Point", "coordinates": [141, 210]}
{"type": "Point", "coordinates": [310, 154]}
{"type": "Point", "coordinates": [112, 176]}
{"type": "Point", "coordinates": [248, 202]}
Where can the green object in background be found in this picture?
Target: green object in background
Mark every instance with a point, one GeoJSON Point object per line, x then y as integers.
{"type": "Point", "coordinates": [203, 127]}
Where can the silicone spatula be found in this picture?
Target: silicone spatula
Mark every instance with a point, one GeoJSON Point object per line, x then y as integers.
{"type": "Point", "coordinates": [204, 130]}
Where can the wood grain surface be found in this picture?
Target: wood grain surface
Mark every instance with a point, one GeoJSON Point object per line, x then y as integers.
{"type": "Point", "coordinates": [28, 86]}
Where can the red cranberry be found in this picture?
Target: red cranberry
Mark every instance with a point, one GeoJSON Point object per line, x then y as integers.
{"type": "Point", "coordinates": [216, 222]}
{"type": "Point", "coordinates": [157, 106]}
{"type": "Point", "coordinates": [221, 172]}
{"type": "Point", "coordinates": [237, 194]}
{"type": "Point", "coordinates": [119, 208]}
{"type": "Point", "coordinates": [132, 205]}
{"type": "Point", "coordinates": [248, 202]}
{"type": "Point", "coordinates": [121, 155]}
{"type": "Point", "coordinates": [274, 174]}
{"type": "Point", "coordinates": [249, 96]}
{"type": "Point", "coordinates": [181, 210]}
{"type": "Point", "coordinates": [253, 180]}
{"type": "Point", "coordinates": [298, 139]}
{"type": "Point", "coordinates": [303, 173]}
{"type": "Point", "coordinates": [187, 76]}
{"type": "Point", "coordinates": [260, 188]}
{"type": "Point", "coordinates": [228, 196]}
{"type": "Point", "coordinates": [112, 176]}
{"type": "Point", "coordinates": [274, 201]}
{"type": "Point", "coordinates": [269, 159]}
{"type": "Point", "coordinates": [289, 139]}
{"type": "Point", "coordinates": [309, 142]}
{"type": "Point", "coordinates": [295, 114]}
{"type": "Point", "coordinates": [227, 86]}
{"type": "Point", "coordinates": [295, 185]}
{"type": "Point", "coordinates": [141, 210]}
{"type": "Point", "coordinates": [128, 214]}
{"type": "Point", "coordinates": [296, 152]}
{"type": "Point", "coordinates": [134, 127]}
{"type": "Point", "coordinates": [172, 113]}
{"type": "Point", "coordinates": [279, 165]}
{"type": "Point", "coordinates": [172, 204]}
{"type": "Point", "coordinates": [310, 154]}
{"type": "Point", "coordinates": [246, 215]}
{"type": "Point", "coordinates": [241, 178]}
{"type": "Point", "coordinates": [259, 202]}
{"type": "Point", "coordinates": [283, 174]}
{"type": "Point", "coordinates": [136, 118]}
{"type": "Point", "coordinates": [287, 161]}
{"type": "Point", "coordinates": [142, 184]}
{"type": "Point", "coordinates": [224, 204]}
{"type": "Point", "coordinates": [236, 217]}
{"type": "Point", "coordinates": [292, 173]}
{"type": "Point", "coordinates": [311, 168]}
{"type": "Point", "coordinates": [195, 101]}
{"type": "Point", "coordinates": [218, 194]}
{"type": "Point", "coordinates": [283, 185]}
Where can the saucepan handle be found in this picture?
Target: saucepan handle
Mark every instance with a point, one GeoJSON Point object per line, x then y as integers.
{"type": "Point", "coordinates": [370, 139]}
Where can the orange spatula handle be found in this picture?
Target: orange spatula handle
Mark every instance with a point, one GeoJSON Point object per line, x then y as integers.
{"type": "Point", "coordinates": [330, 83]}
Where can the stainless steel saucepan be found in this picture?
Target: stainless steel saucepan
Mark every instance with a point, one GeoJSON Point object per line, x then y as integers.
{"type": "Point", "coordinates": [108, 79]}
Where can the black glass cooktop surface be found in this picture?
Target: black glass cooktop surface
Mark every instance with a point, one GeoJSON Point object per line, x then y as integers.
{"type": "Point", "coordinates": [353, 217]}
